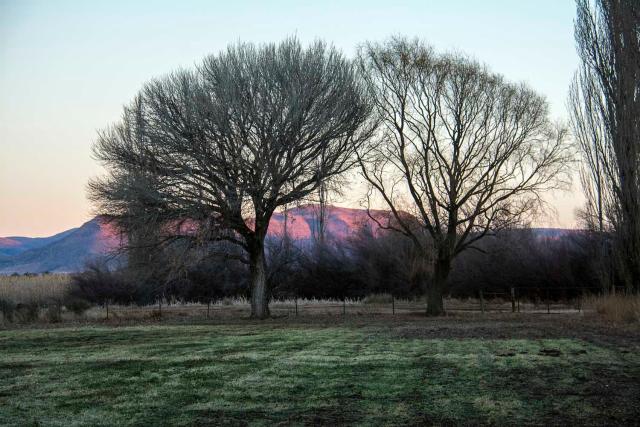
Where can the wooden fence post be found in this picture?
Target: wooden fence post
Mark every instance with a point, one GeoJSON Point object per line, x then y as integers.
{"type": "Point", "coordinates": [393, 304]}
{"type": "Point", "coordinates": [513, 300]}
{"type": "Point", "coordinates": [296, 300]}
{"type": "Point", "coordinates": [481, 301]}
{"type": "Point", "coordinates": [208, 306]}
{"type": "Point", "coordinates": [581, 300]}
{"type": "Point", "coordinates": [107, 305]}
{"type": "Point", "coordinates": [548, 303]}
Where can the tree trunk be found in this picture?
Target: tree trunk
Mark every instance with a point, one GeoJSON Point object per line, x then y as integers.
{"type": "Point", "coordinates": [258, 270]}
{"type": "Point", "coordinates": [435, 290]}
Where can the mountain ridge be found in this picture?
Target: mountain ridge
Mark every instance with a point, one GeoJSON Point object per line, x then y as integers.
{"type": "Point", "coordinates": [70, 250]}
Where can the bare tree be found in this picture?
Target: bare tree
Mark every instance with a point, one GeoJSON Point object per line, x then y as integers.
{"type": "Point", "coordinates": [605, 110]}
{"type": "Point", "coordinates": [597, 171]}
{"type": "Point", "coordinates": [462, 152]}
{"type": "Point", "coordinates": [217, 150]}
{"type": "Point", "coordinates": [319, 226]}
{"type": "Point", "coordinates": [591, 137]}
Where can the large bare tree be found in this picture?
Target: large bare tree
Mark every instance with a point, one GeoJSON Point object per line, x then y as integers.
{"type": "Point", "coordinates": [210, 154]}
{"type": "Point", "coordinates": [604, 103]}
{"type": "Point", "coordinates": [461, 152]}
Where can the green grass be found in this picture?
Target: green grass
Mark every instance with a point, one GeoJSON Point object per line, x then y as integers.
{"type": "Point", "coordinates": [263, 375]}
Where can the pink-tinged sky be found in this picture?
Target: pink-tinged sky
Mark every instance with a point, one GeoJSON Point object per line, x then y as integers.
{"type": "Point", "coordinates": [67, 67]}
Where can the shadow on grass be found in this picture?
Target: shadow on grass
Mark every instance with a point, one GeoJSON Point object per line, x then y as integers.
{"type": "Point", "coordinates": [237, 375]}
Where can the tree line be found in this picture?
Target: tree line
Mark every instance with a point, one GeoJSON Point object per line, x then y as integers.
{"type": "Point", "coordinates": [364, 264]}
{"type": "Point", "coordinates": [456, 153]}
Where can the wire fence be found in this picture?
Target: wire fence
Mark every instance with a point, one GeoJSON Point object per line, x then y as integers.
{"type": "Point", "coordinates": [556, 300]}
{"type": "Point", "coordinates": [516, 300]}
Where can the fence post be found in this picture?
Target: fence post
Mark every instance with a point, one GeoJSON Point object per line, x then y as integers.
{"type": "Point", "coordinates": [159, 307]}
{"type": "Point", "coordinates": [548, 303]}
{"type": "Point", "coordinates": [393, 304]}
{"type": "Point", "coordinates": [518, 299]}
{"type": "Point", "coordinates": [344, 306]}
{"type": "Point", "coordinates": [296, 300]}
{"type": "Point", "coordinates": [107, 305]}
{"type": "Point", "coordinates": [208, 306]}
{"type": "Point", "coordinates": [481, 301]}
{"type": "Point", "coordinates": [513, 300]}
{"type": "Point", "coordinates": [581, 300]}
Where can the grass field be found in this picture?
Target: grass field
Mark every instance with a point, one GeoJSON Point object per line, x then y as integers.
{"type": "Point", "coordinates": [314, 371]}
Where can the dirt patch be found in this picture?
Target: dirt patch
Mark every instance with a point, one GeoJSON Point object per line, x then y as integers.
{"type": "Point", "coordinates": [553, 352]}
{"type": "Point", "coordinates": [626, 338]}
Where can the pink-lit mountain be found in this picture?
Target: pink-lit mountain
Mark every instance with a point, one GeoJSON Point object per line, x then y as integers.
{"type": "Point", "coordinates": [340, 223]}
{"type": "Point", "coordinates": [70, 250]}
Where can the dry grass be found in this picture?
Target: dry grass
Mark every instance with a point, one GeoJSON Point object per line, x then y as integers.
{"type": "Point", "coordinates": [34, 289]}
{"type": "Point", "coordinates": [378, 299]}
{"type": "Point", "coordinates": [616, 308]}
{"type": "Point", "coordinates": [42, 290]}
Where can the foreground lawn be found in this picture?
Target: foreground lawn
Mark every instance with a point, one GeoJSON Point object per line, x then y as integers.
{"type": "Point", "coordinates": [268, 374]}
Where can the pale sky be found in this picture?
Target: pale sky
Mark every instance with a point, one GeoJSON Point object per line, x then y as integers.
{"type": "Point", "coordinates": [68, 67]}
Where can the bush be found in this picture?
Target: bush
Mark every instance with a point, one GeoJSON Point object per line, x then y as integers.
{"type": "Point", "coordinates": [77, 305]}
{"type": "Point", "coordinates": [7, 308]}
{"type": "Point", "coordinates": [210, 279]}
{"type": "Point", "coordinates": [54, 312]}
{"type": "Point", "coordinates": [27, 312]}
{"type": "Point", "coordinates": [99, 285]}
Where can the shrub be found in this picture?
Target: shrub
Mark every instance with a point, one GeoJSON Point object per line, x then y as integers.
{"type": "Point", "coordinates": [211, 278]}
{"type": "Point", "coordinates": [77, 305]}
{"type": "Point", "coordinates": [98, 285]}
{"type": "Point", "coordinates": [27, 312]}
{"type": "Point", "coordinates": [53, 313]}
{"type": "Point", "coordinates": [7, 308]}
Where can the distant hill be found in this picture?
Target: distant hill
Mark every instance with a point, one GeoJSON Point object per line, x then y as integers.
{"type": "Point", "coordinates": [10, 246]}
{"type": "Point", "coordinates": [64, 252]}
{"type": "Point", "coordinates": [70, 250]}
